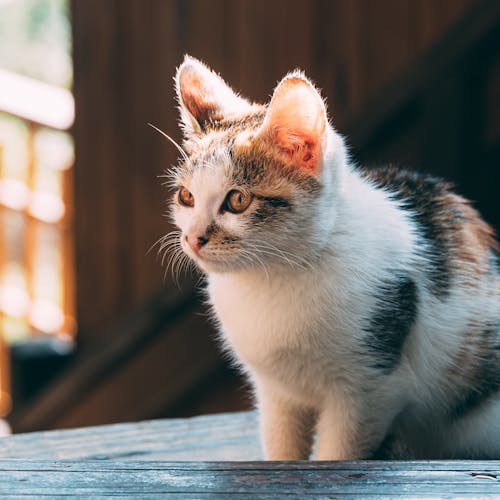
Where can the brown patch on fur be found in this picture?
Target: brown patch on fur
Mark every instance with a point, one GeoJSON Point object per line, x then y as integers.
{"type": "Point", "coordinates": [212, 230]}
{"type": "Point", "coordinates": [228, 131]}
{"type": "Point", "coordinates": [224, 132]}
{"type": "Point", "coordinates": [475, 239]}
{"type": "Point", "coordinates": [258, 165]}
{"type": "Point", "coordinates": [234, 126]}
{"type": "Point", "coordinates": [217, 236]}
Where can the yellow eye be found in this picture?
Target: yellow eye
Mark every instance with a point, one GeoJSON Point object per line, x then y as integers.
{"type": "Point", "coordinates": [238, 201]}
{"type": "Point", "coordinates": [185, 197]}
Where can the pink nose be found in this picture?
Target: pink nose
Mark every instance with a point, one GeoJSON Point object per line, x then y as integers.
{"type": "Point", "coordinates": [196, 242]}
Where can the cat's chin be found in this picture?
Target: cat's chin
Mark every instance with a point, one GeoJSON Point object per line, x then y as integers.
{"type": "Point", "coordinates": [211, 265]}
{"type": "Point", "coordinates": [207, 264]}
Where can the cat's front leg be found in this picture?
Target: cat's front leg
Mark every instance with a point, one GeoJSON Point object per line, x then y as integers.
{"type": "Point", "coordinates": [286, 427]}
{"type": "Point", "coordinates": [349, 429]}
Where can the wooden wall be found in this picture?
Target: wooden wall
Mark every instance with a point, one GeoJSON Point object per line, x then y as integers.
{"type": "Point", "coordinates": [125, 55]}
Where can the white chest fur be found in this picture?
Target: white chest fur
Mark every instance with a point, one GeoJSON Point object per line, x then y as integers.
{"type": "Point", "coordinates": [260, 315]}
{"type": "Point", "coordinates": [285, 328]}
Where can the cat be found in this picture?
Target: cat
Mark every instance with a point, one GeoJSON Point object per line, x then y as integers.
{"type": "Point", "coordinates": [362, 304]}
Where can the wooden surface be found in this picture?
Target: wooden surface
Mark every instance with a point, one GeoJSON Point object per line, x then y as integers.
{"type": "Point", "coordinates": [96, 479]}
{"type": "Point", "coordinates": [228, 436]}
{"type": "Point", "coordinates": [212, 456]}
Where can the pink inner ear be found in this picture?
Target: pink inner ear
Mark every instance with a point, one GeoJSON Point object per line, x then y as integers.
{"type": "Point", "coordinates": [299, 151]}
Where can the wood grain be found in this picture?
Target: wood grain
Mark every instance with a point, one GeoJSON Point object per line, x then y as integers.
{"type": "Point", "coordinates": [229, 436]}
{"type": "Point", "coordinates": [32, 478]}
{"type": "Point", "coordinates": [212, 456]}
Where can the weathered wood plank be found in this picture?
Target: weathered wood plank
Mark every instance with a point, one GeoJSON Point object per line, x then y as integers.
{"type": "Point", "coordinates": [102, 462]}
{"type": "Point", "coordinates": [385, 468]}
{"type": "Point", "coordinates": [249, 479]}
{"type": "Point", "coordinates": [231, 436]}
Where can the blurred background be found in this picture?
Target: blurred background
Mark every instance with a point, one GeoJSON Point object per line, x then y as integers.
{"type": "Point", "coordinates": [91, 330]}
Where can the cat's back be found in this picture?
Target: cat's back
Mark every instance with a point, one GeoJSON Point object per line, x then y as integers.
{"type": "Point", "coordinates": [457, 245]}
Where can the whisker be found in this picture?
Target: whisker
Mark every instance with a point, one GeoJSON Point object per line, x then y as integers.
{"type": "Point", "coordinates": [293, 258]}
{"type": "Point", "coordinates": [199, 281]}
{"type": "Point", "coordinates": [252, 258]}
{"type": "Point", "coordinates": [289, 258]}
{"type": "Point", "coordinates": [159, 241]}
{"type": "Point", "coordinates": [162, 240]}
{"type": "Point", "coordinates": [179, 148]}
{"type": "Point", "coordinates": [175, 262]}
{"type": "Point", "coordinates": [166, 242]}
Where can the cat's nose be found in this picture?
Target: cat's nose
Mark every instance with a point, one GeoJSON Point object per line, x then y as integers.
{"type": "Point", "coordinates": [196, 242]}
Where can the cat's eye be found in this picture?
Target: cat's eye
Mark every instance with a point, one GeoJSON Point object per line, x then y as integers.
{"type": "Point", "coordinates": [185, 197]}
{"type": "Point", "coordinates": [238, 201]}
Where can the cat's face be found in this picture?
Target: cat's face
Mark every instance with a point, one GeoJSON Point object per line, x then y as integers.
{"type": "Point", "coordinates": [249, 191]}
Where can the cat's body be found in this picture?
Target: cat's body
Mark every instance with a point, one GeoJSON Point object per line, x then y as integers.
{"type": "Point", "coordinates": [364, 306]}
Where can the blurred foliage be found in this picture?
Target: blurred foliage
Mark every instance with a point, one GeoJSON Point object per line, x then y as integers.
{"type": "Point", "coordinates": [35, 39]}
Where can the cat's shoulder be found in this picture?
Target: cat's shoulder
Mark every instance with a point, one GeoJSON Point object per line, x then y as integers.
{"type": "Point", "coordinates": [451, 228]}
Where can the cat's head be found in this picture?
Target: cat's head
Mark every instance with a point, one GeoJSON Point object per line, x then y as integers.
{"type": "Point", "coordinates": [259, 182]}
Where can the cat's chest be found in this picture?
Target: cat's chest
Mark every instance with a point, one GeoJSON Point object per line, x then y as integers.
{"type": "Point", "coordinates": [265, 320]}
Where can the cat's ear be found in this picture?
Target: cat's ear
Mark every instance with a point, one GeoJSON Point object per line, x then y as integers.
{"type": "Point", "coordinates": [296, 125]}
{"type": "Point", "coordinates": [204, 96]}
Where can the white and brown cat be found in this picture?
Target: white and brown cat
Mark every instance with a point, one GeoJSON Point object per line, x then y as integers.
{"type": "Point", "coordinates": [363, 305]}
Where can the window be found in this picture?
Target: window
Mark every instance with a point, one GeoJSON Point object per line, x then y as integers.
{"type": "Point", "coordinates": [36, 159]}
